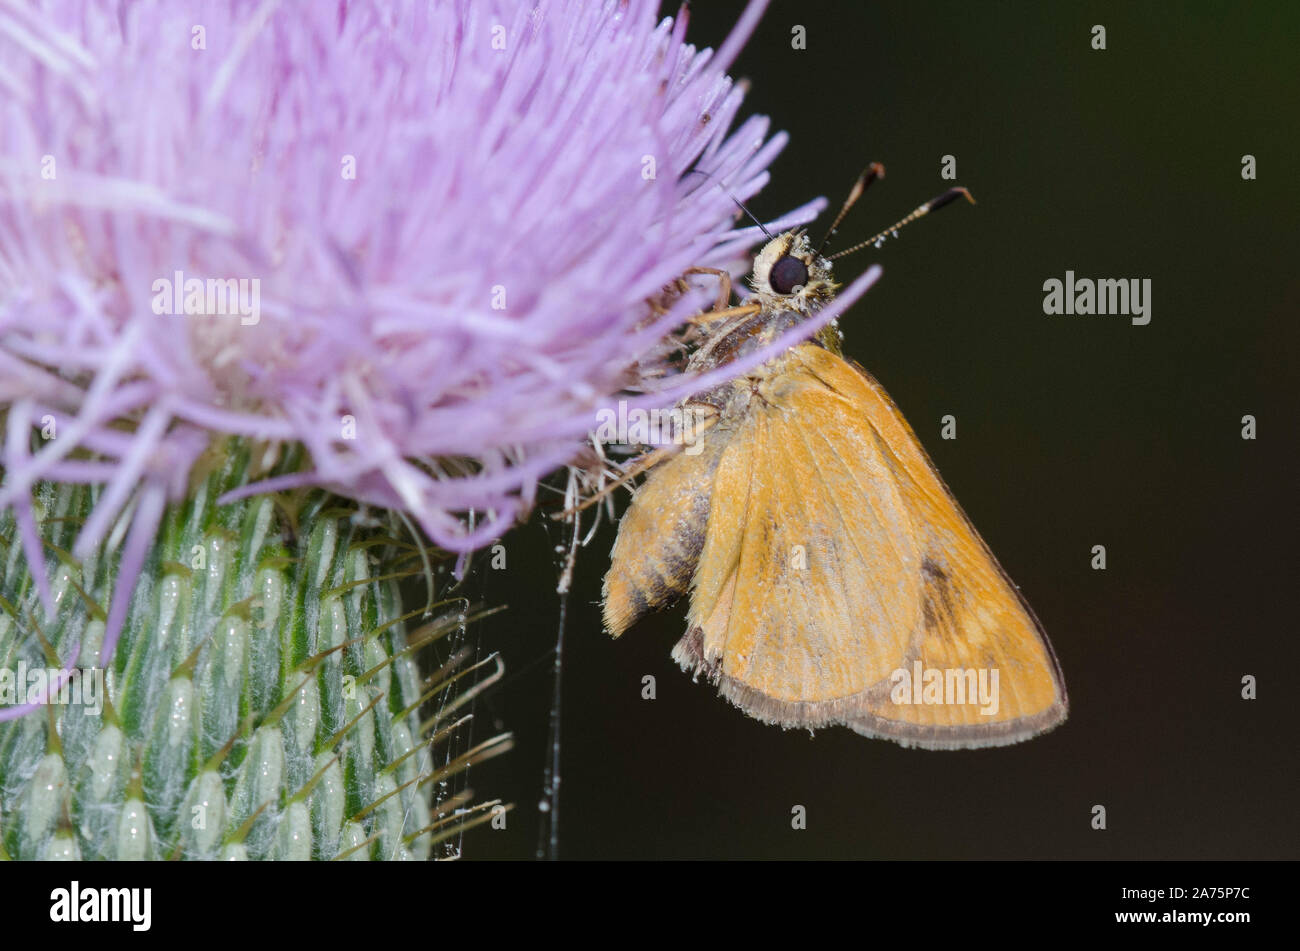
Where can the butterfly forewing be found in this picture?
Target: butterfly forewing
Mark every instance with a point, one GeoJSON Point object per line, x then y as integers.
{"type": "Point", "coordinates": [834, 558]}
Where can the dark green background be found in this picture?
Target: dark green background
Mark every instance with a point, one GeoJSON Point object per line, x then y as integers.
{"type": "Point", "coordinates": [1072, 431]}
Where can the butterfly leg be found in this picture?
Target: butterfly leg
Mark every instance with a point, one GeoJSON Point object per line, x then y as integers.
{"type": "Point", "coordinates": [659, 306]}
{"type": "Point", "coordinates": [724, 284]}
{"type": "Point", "coordinates": [702, 418]}
{"type": "Point", "coordinates": [714, 316]}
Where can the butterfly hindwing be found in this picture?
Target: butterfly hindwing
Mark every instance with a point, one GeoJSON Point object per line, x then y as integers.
{"type": "Point", "coordinates": [660, 536]}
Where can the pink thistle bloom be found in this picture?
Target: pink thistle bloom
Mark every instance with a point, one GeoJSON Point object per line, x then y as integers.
{"type": "Point", "coordinates": [432, 227]}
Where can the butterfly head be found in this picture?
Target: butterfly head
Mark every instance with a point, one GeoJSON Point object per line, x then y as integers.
{"type": "Point", "coordinates": [790, 275]}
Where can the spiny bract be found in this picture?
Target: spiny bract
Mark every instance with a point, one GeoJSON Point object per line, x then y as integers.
{"type": "Point", "coordinates": [263, 702]}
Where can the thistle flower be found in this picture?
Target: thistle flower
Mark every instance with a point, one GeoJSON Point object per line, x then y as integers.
{"type": "Point", "coordinates": [416, 240]}
{"type": "Point", "coordinates": [452, 215]}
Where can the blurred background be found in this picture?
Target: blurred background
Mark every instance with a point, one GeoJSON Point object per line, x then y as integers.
{"type": "Point", "coordinates": [1072, 432]}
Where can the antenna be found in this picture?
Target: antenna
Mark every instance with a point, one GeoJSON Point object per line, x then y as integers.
{"type": "Point", "coordinates": [869, 174]}
{"type": "Point", "coordinates": [934, 204]}
{"type": "Point", "coordinates": [739, 204]}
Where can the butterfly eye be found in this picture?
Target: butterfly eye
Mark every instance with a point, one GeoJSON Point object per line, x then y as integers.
{"type": "Point", "coordinates": [787, 274]}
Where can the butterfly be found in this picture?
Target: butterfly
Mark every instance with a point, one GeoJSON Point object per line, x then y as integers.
{"type": "Point", "coordinates": [833, 578]}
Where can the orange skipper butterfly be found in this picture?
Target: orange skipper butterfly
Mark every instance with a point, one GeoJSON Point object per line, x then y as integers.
{"type": "Point", "coordinates": [833, 578]}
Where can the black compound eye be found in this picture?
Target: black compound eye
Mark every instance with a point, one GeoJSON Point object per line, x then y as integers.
{"type": "Point", "coordinates": [787, 274]}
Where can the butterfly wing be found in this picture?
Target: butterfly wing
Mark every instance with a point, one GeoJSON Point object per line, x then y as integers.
{"type": "Point", "coordinates": [839, 578]}
{"type": "Point", "coordinates": [660, 536]}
